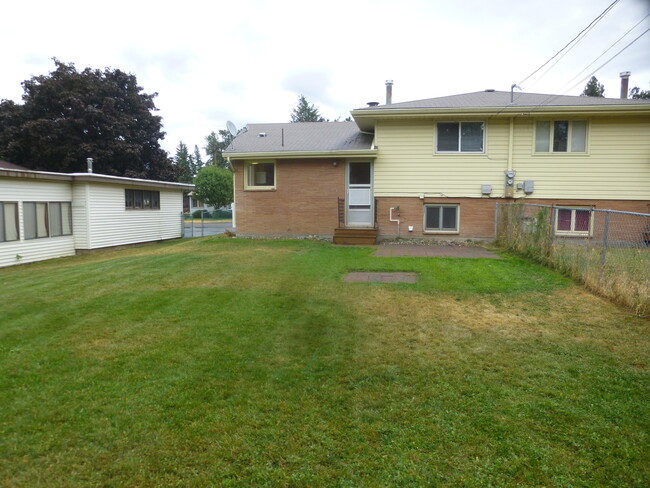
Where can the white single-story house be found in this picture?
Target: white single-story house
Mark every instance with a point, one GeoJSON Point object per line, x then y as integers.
{"type": "Point", "coordinates": [46, 215]}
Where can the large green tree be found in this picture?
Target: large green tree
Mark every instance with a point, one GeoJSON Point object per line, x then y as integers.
{"type": "Point", "coordinates": [593, 88]}
{"type": "Point", "coordinates": [305, 112]}
{"type": "Point", "coordinates": [214, 186]}
{"type": "Point", "coordinates": [69, 115]}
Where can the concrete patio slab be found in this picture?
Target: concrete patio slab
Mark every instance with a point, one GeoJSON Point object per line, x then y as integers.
{"type": "Point", "coordinates": [380, 277]}
{"type": "Point", "coordinates": [424, 251]}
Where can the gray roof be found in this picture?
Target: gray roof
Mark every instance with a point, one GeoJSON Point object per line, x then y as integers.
{"type": "Point", "coordinates": [8, 165]}
{"type": "Point", "coordinates": [499, 99]}
{"type": "Point", "coordinates": [300, 137]}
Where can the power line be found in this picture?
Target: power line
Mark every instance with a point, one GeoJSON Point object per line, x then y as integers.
{"type": "Point", "coordinates": [606, 50]}
{"type": "Point", "coordinates": [610, 59]}
{"type": "Point", "coordinates": [592, 23]}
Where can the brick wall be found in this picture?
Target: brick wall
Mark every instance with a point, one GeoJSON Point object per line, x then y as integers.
{"type": "Point", "coordinates": [477, 215]}
{"type": "Point", "coordinates": [303, 203]}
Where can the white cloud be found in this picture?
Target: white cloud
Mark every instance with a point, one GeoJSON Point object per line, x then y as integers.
{"type": "Point", "coordinates": [249, 61]}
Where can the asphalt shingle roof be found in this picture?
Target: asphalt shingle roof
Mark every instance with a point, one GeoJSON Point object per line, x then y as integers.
{"type": "Point", "coordinates": [300, 136]}
{"type": "Point", "coordinates": [498, 99]}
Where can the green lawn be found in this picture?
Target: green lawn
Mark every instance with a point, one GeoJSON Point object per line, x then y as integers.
{"type": "Point", "coordinates": [216, 362]}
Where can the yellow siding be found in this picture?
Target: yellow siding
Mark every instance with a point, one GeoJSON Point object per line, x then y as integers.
{"type": "Point", "coordinates": [407, 164]}
{"type": "Point", "coordinates": [616, 166]}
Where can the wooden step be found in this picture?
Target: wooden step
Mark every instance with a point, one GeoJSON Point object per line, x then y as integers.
{"type": "Point", "coordinates": [352, 236]}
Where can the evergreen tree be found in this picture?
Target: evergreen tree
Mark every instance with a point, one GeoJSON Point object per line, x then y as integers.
{"type": "Point", "coordinates": [183, 161]}
{"type": "Point", "coordinates": [593, 89]}
{"type": "Point", "coordinates": [304, 112]}
{"type": "Point", "coordinates": [215, 145]}
{"type": "Point", "coordinates": [198, 161]}
{"type": "Point", "coordinates": [637, 93]}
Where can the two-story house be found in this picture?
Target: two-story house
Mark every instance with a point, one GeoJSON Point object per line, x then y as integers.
{"type": "Point", "coordinates": [437, 167]}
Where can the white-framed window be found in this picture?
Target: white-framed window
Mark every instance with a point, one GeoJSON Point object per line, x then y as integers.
{"type": "Point", "coordinates": [460, 137]}
{"type": "Point", "coordinates": [35, 220]}
{"type": "Point", "coordinates": [441, 218]}
{"type": "Point", "coordinates": [60, 218]}
{"type": "Point", "coordinates": [572, 221]}
{"type": "Point", "coordinates": [47, 219]}
{"type": "Point", "coordinates": [260, 175]}
{"type": "Point", "coordinates": [561, 136]}
{"type": "Point", "coordinates": [9, 221]}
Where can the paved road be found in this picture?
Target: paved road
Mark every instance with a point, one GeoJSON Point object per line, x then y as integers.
{"type": "Point", "coordinates": [206, 229]}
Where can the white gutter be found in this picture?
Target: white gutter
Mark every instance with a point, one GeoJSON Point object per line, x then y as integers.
{"type": "Point", "coordinates": [391, 219]}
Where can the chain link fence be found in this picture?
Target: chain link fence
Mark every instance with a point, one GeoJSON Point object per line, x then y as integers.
{"type": "Point", "coordinates": [607, 250]}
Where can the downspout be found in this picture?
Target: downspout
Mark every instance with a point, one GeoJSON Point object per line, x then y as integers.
{"type": "Point", "coordinates": [234, 195]}
{"type": "Point", "coordinates": [509, 191]}
{"type": "Point", "coordinates": [391, 219]}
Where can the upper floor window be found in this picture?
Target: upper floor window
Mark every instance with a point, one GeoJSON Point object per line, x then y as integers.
{"type": "Point", "coordinates": [8, 221]}
{"type": "Point", "coordinates": [561, 136]}
{"type": "Point", "coordinates": [142, 199]}
{"type": "Point", "coordinates": [259, 176]}
{"type": "Point", "coordinates": [460, 137]}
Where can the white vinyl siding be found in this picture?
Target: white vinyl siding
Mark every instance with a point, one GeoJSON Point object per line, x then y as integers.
{"type": "Point", "coordinates": [24, 250]}
{"type": "Point", "coordinates": [110, 223]}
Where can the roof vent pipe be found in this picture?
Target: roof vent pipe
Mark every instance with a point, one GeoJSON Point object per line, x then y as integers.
{"type": "Point", "coordinates": [89, 162]}
{"type": "Point", "coordinates": [389, 92]}
{"type": "Point", "coordinates": [625, 80]}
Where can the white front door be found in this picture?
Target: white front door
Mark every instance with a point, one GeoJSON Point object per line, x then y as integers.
{"type": "Point", "coordinates": [360, 211]}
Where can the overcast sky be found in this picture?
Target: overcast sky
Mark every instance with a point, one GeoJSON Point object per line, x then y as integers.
{"type": "Point", "coordinates": [248, 60]}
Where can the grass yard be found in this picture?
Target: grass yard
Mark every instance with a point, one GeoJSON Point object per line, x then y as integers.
{"type": "Point", "coordinates": [216, 362]}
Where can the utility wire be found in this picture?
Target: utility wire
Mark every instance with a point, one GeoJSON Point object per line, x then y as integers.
{"type": "Point", "coordinates": [610, 59]}
{"type": "Point", "coordinates": [606, 50]}
{"type": "Point", "coordinates": [593, 22]}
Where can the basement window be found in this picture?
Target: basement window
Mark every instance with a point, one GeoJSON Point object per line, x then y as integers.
{"type": "Point", "coordinates": [573, 221]}
{"type": "Point", "coordinates": [259, 176]}
{"type": "Point", "coordinates": [9, 221]}
{"type": "Point", "coordinates": [441, 218]}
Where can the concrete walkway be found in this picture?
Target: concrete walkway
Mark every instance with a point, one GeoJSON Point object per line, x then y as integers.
{"type": "Point", "coordinates": [424, 251]}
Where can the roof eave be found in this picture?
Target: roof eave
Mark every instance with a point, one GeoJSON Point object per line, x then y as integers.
{"type": "Point", "coordinates": [365, 118]}
{"type": "Point", "coordinates": [365, 153]}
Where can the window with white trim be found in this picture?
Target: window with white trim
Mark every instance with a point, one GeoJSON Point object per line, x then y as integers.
{"type": "Point", "coordinates": [561, 136]}
{"type": "Point", "coordinates": [460, 137]}
{"type": "Point", "coordinates": [441, 218]}
{"type": "Point", "coordinates": [259, 176]}
{"type": "Point", "coordinates": [35, 220]}
{"type": "Point", "coordinates": [60, 218]}
{"type": "Point", "coordinates": [573, 221]}
{"type": "Point", "coordinates": [9, 221]}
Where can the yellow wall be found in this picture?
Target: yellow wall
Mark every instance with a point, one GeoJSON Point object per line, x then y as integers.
{"type": "Point", "coordinates": [616, 166]}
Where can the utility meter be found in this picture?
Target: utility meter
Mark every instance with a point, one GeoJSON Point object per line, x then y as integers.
{"type": "Point", "coordinates": [510, 177]}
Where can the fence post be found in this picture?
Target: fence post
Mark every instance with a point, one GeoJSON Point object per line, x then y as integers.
{"type": "Point", "coordinates": [603, 254]}
{"type": "Point", "coordinates": [496, 223]}
{"type": "Point", "coordinates": [202, 226]}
